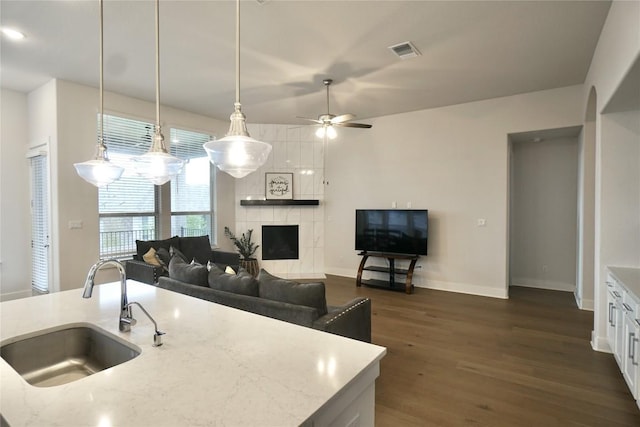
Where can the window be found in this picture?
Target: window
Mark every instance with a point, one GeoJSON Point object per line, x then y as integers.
{"type": "Point", "coordinates": [128, 208]}
{"type": "Point", "coordinates": [192, 191]}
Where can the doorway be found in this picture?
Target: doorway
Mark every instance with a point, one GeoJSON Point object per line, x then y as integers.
{"type": "Point", "coordinates": [40, 244]}
{"type": "Point", "coordinates": [543, 208]}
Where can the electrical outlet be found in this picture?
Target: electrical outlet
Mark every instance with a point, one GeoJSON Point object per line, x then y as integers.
{"type": "Point", "coordinates": [394, 205]}
{"type": "Point", "coordinates": [482, 222]}
{"type": "Point", "coordinates": [408, 205]}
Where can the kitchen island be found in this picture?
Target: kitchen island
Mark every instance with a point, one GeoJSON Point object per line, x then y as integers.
{"type": "Point", "coordinates": [218, 366]}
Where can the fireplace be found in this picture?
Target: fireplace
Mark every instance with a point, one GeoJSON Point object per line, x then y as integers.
{"type": "Point", "coordinates": [280, 242]}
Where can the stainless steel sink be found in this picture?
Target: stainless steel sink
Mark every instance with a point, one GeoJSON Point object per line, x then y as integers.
{"type": "Point", "coordinates": [65, 355]}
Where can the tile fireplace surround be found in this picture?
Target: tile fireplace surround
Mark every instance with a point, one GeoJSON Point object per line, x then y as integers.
{"type": "Point", "coordinates": [297, 150]}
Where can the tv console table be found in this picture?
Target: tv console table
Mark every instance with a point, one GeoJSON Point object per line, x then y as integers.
{"type": "Point", "coordinates": [392, 270]}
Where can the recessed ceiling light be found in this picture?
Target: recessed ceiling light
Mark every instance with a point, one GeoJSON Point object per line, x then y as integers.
{"type": "Point", "coordinates": [13, 34]}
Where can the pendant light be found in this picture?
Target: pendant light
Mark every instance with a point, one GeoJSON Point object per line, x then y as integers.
{"type": "Point", "coordinates": [99, 171]}
{"type": "Point", "coordinates": [157, 165]}
{"type": "Point", "coordinates": [237, 153]}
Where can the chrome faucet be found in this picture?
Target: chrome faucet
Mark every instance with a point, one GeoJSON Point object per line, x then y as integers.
{"type": "Point", "coordinates": [157, 336]}
{"type": "Point", "coordinates": [126, 320]}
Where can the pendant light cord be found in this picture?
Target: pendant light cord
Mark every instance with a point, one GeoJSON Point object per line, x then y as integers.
{"type": "Point", "coordinates": [237, 51]}
{"type": "Point", "coordinates": [101, 127]}
{"type": "Point", "coordinates": [157, 66]}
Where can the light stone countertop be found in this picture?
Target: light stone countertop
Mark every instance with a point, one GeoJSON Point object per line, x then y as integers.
{"type": "Point", "coordinates": [629, 277]}
{"type": "Point", "coordinates": [218, 366]}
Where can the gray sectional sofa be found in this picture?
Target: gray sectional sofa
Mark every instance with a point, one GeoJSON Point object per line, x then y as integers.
{"type": "Point", "coordinates": [196, 248]}
{"type": "Point", "coordinates": [300, 303]}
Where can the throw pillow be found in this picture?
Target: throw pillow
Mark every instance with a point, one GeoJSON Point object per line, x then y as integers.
{"type": "Point", "coordinates": [229, 270]}
{"type": "Point", "coordinates": [196, 247]}
{"type": "Point", "coordinates": [173, 252]}
{"type": "Point", "coordinates": [151, 258]}
{"type": "Point", "coordinates": [195, 274]}
{"type": "Point", "coordinates": [242, 283]}
{"type": "Point", "coordinates": [283, 290]}
{"type": "Point", "coordinates": [143, 246]}
{"type": "Point", "coordinates": [163, 254]}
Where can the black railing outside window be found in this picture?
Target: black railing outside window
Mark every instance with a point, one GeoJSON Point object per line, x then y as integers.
{"type": "Point", "coordinates": [120, 244]}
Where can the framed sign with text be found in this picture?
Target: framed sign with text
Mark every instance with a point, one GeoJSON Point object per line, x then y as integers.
{"type": "Point", "coordinates": [279, 186]}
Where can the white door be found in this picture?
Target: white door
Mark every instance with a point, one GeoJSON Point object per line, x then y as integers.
{"type": "Point", "coordinates": [40, 265]}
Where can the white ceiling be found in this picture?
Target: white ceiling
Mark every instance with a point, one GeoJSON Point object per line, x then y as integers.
{"type": "Point", "coordinates": [471, 50]}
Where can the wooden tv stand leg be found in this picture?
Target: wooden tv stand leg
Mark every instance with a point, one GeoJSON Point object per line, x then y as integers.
{"type": "Point", "coordinates": [362, 263]}
{"type": "Point", "coordinates": [409, 283]}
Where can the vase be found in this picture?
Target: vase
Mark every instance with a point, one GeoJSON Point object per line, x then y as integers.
{"type": "Point", "coordinates": [251, 265]}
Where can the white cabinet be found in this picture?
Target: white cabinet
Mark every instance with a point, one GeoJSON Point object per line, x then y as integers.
{"type": "Point", "coordinates": [631, 330]}
{"type": "Point", "coordinates": [611, 315]}
{"type": "Point", "coordinates": [615, 329]}
{"type": "Point", "coordinates": [623, 328]}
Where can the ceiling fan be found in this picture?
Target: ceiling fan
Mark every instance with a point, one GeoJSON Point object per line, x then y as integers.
{"type": "Point", "coordinates": [328, 121]}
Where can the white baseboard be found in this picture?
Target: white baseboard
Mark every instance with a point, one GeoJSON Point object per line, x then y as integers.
{"type": "Point", "coordinates": [600, 343]}
{"type": "Point", "coordinates": [466, 288]}
{"type": "Point", "coordinates": [584, 304]}
{"type": "Point", "coordinates": [551, 285]}
{"type": "Point", "coordinates": [342, 272]}
{"type": "Point", "coordinates": [463, 288]}
{"type": "Point", "coordinates": [294, 276]}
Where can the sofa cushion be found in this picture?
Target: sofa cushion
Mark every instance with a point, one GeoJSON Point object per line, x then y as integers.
{"type": "Point", "coordinates": [196, 274]}
{"type": "Point", "coordinates": [241, 283]}
{"type": "Point", "coordinates": [143, 246]}
{"type": "Point", "coordinates": [173, 251]}
{"type": "Point", "coordinates": [198, 248]}
{"type": "Point", "coordinates": [283, 290]}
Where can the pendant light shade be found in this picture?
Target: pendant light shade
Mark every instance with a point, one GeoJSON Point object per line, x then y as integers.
{"type": "Point", "coordinates": [237, 153]}
{"type": "Point", "coordinates": [157, 165]}
{"type": "Point", "coordinates": [99, 171]}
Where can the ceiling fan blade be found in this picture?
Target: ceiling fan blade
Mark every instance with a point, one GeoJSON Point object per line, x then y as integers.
{"type": "Point", "coordinates": [353, 125]}
{"type": "Point", "coordinates": [342, 118]}
{"type": "Point", "coordinates": [311, 120]}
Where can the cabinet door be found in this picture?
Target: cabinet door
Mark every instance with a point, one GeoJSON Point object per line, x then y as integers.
{"type": "Point", "coordinates": [611, 320]}
{"type": "Point", "coordinates": [630, 356]}
{"type": "Point", "coordinates": [619, 329]}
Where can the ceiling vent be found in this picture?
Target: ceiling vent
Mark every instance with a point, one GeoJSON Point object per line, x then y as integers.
{"type": "Point", "coordinates": [405, 50]}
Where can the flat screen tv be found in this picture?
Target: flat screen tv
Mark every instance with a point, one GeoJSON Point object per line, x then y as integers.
{"type": "Point", "coordinates": [397, 231]}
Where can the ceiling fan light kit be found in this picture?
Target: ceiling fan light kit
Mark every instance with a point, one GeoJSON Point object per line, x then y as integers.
{"type": "Point", "coordinates": [237, 153]}
{"type": "Point", "coordinates": [99, 171]}
{"type": "Point", "coordinates": [328, 121]}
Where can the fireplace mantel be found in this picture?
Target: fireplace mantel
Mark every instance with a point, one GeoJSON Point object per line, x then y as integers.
{"type": "Point", "coordinates": [280, 202]}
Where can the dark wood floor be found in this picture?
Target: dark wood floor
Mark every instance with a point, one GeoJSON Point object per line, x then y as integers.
{"type": "Point", "coordinates": [463, 360]}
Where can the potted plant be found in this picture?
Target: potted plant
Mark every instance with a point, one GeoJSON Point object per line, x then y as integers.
{"type": "Point", "coordinates": [246, 248]}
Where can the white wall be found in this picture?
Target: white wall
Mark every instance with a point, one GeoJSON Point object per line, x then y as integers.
{"type": "Point", "coordinates": [617, 51]}
{"type": "Point", "coordinates": [64, 114]}
{"type": "Point", "coordinates": [15, 226]}
{"type": "Point", "coordinates": [452, 161]}
{"type": "Point", "coordinates": [297, 150]}
{"type": "Point", "coordinates": [586, 215]}
{"type": "Point", "coordinates": [544, 216]}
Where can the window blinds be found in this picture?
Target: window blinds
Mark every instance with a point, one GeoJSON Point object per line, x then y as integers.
{"type": "Point", "coordinates": [39, 225]}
